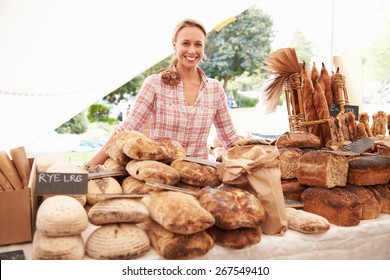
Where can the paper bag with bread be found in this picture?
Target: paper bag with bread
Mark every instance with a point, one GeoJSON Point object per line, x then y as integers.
{"type": "Point", "coordinates": [256, 169]}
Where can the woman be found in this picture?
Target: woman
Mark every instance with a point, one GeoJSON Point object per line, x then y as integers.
{"type": "Point", "coordinates": [180, 101]}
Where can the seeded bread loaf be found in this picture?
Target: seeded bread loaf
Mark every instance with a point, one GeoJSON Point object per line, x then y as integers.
{"type": "Point", "coordinates": [289, 158]}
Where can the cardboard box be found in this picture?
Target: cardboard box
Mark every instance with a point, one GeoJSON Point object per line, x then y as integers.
{"type": "Point", "coordinates": [18, 211]}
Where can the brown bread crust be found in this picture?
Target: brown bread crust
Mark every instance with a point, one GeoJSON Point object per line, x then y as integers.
{"type": "Point", "coordinates": [236, 238]}
{"type": "Point", "coordinates": [370, 199]}
{"type": "Point", "coordinates": [369, 170]}
{"type": "Point", "coordinates": [289, 158]}
{"type": "Point", "coordinates": [298, 139]}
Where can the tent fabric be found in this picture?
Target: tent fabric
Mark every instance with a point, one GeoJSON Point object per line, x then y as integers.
{"type": "Point", "coordinates": [57, 57]}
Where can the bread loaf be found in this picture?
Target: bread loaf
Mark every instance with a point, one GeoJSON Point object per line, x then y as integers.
{"type": "Point", "coordinates": [369, 170]}
{"type": "Point", "coordinates": [321, 169]}
{"type": "Point", "coordinates": [122, 241]}
{"type": "Point", "coordinates": [178, 212]}
{"type": "Point", "coordinates": [131, 185]}
{"type": "Point", "coordinates": [197, 174]}
{"type": "Point", "coordinates": [292, 189]}
{"type": "Point", "coordinates": [384, 192]}
{"type": "Point", "coordinates": [298, 139]}
{"type": "Point", "coordinates": [116, 154]}
{"type": "Point", "coordinates": [322, 111]}
{"type": "Point", "coordinates": [379, 123]}
{"type": "Point", "coordinates": [61, 215]}
{"type": "Point", "coordinates": [175, 246]}
{"type": "Point", "coordinates": [289, 158]}
{"type": "Point", "coordinates": [154, 171]}
{"type": "Point", "coordinates": [232, 208]}
{"type": "Point", "coordinates": [57, 248]}
{"type": "Point", "coordinates": [173, 149]}
{"type": "Point", "coordinates": [117, 210]}
{"type": "Point", "coordinates": [351, 125]}
{"type": "Point", "coordinates": [338, 205]}
{"type": "Point", "coordinates": [112, 165]}
{"type": "Point", "coordinates": [370, 199]}
{"type": "Point", "coordinates": [306, 222]}
{"type": "Point", "coordinates": [236, 238]}
{"type": "Point", "coordinates": [325, 82]}
{"type": "Point", "coordinates": [100, 189]}
{"type": "Point", "coordinates": [365, 119]}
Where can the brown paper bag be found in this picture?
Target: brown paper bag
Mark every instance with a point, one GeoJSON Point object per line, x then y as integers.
{"type": "Point", "coordinates": [262, 176]}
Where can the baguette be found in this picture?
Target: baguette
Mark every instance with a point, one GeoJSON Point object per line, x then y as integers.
{"type": "Point", "coordinates": [9, 171]}
{"type": "Point", "coordinates": [351, 125]}
{"type": "Point", "coordinates": [322, 111]}
{"type": "Point", "coordinates": [325, 82]}
{"type": "Point", "coordinates": [364, 118]}
{"type": "Point", "coordinates": [21, 163]}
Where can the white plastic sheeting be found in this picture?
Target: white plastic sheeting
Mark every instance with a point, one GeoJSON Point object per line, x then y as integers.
{"type": "Point", "coordinates": [57, 57]}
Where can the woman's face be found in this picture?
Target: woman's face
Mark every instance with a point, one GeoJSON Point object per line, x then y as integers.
{"type": "Point", "coordinates": [189, 46]}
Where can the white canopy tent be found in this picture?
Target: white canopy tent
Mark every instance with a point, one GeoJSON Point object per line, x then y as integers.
{"type": "Point", "coordinates": [57, 57]}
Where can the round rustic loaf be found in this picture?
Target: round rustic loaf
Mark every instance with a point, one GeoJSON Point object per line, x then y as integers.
{"type": "Point", "coordinates": [178, 212]}
{"type": "Point", "coordinates": [236, 238]}
{"type": "Point", "coordinates": [99, 189]}
{"type": "Point", "coordinates": [232, 208]}
{"type": "Point", "coordinates": [61, 215]}
{"type": "Point", "coordinates": [112, 165]}
{"type": "Point", "coordinates": [57, 248]}
{"type": "Point", "coordinates": [117, 210]}
{"type": "Point", "coordinates": [298, 139]}
{"type": "Point", "coordinates": [131, 185]}
{"type": "Point", "coordinates": [197, 174]}
{"type": "Point", "coordinates": [122, 241]}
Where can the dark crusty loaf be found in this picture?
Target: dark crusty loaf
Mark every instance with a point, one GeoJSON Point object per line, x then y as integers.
{"type": "Point", "coordinates": [369, 170]}
{"type": "Point", "coordinates": [292, 189]}
{"type": "Point", "coordinates": [338, 205]}
{"type": "Point", "coordinates": [289, 158]}
{"type": "Point", "coordinates": [235, 238]}
{"type": "Point", "coordinates": [298, 139]}
{"type": "Point", "coordinates": [154, 171]}
{"type": "Point", "coordinates": [384, 192]}
{"type": "Point", "coordinates": [321, 169]}
{"type": "Point", "coordinates": [370, 199]}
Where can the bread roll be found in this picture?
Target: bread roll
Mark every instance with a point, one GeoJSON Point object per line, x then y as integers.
{"type": "Point", "coordinates": [61, 215]}
{"type": "Point", "coordinates": [292, 189]}
{"type": "Point", "coordinates": [321, 169]}
{"type": "Point", "coordinates": [306, 222]}
{"type": "Point", "coordinates": [154, 171]}
{"type": "Point", "coordinates": [232, 208]}
{"type": "Point", "coordinates": [57, 248]}
{"type": "Point", "coordinates": [289, 158]}
{"type": "Point", "coordinates": [236, 238]}
{"type": "Point", "coordinates": [197, 174]}
{"type": "Point", "coordinates": [178, 212]}
{"type": "Point", "coordinates": [384, 192]}
{"type": "Point", "coordinates": [117, 210]}
{"type": "Point", "coordinates": [121, 241]}
{"type": "Point", "coordinates": [338, 205]}
{"type": "Point", "coordinates": [369, 170]}
{"type": "Point", "coordinates": [175, 246]}
{"type": "Point", "coordinates": [298, 139]}
{"type": "Point", "coordinates": [370, 199]}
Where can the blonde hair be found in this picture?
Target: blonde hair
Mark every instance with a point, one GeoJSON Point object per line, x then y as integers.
{"type": "Point", "coordinates": [169, 76]}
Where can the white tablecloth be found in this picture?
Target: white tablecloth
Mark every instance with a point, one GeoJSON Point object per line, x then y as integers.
{"type": "Point", "coordinates": [368, 240]}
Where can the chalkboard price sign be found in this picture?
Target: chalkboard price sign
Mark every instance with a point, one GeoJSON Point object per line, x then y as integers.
{"type": "Point", "coordinates": [61, 183]}
{"type": "Point", "coordinates": [334, 109]}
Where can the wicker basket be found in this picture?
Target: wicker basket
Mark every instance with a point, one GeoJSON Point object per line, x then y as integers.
{"type": "Point", "coordinates": [296, 113]}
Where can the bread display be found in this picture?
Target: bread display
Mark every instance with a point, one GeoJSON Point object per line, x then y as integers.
{"type": "Point", "coordinates": [321, 169]}
{"type": "Point", "coordinates": [178, 212]}
{"type": "Point", "coordinates": [289, 158]}
{"type": "Point", "coordinates": [292, 189]}
{"type": "Point", "coordinates": [370, 199]}
{"type": "Point", "coordinates": [298, 139]}
{"type": "Point", "coordinates": [306, 222]}
{"type": "Point", "coordinates": [121, 241]}
{"type": "Point", "coordinates": [117, 210]}
{"type": "Point", "coordinates": [57, 248]}
{"type": "Point", "coordinates": [176, 246]}
{"type": "Point", "coordinates": [338, 205]}
{"type": "Point", "coordinates": [369, 170]}
{"type": "Point", "coordinates": [197, 174]}
{"type": "Point", "coordinates": [237, 238]}
{"type": "Point", "coordinates": [232, 208]}
{"type": "Point", "coordinates": [61, 215]}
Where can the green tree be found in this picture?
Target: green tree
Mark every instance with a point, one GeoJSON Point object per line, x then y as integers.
{"type": "Point", "coordinates": [239, 47]}
{"type": "Point", "coordinates": [303, 47]}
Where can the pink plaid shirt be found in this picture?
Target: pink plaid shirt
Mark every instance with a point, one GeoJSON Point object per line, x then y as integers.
{"type": "Point", "coordinates": [170, 116]}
